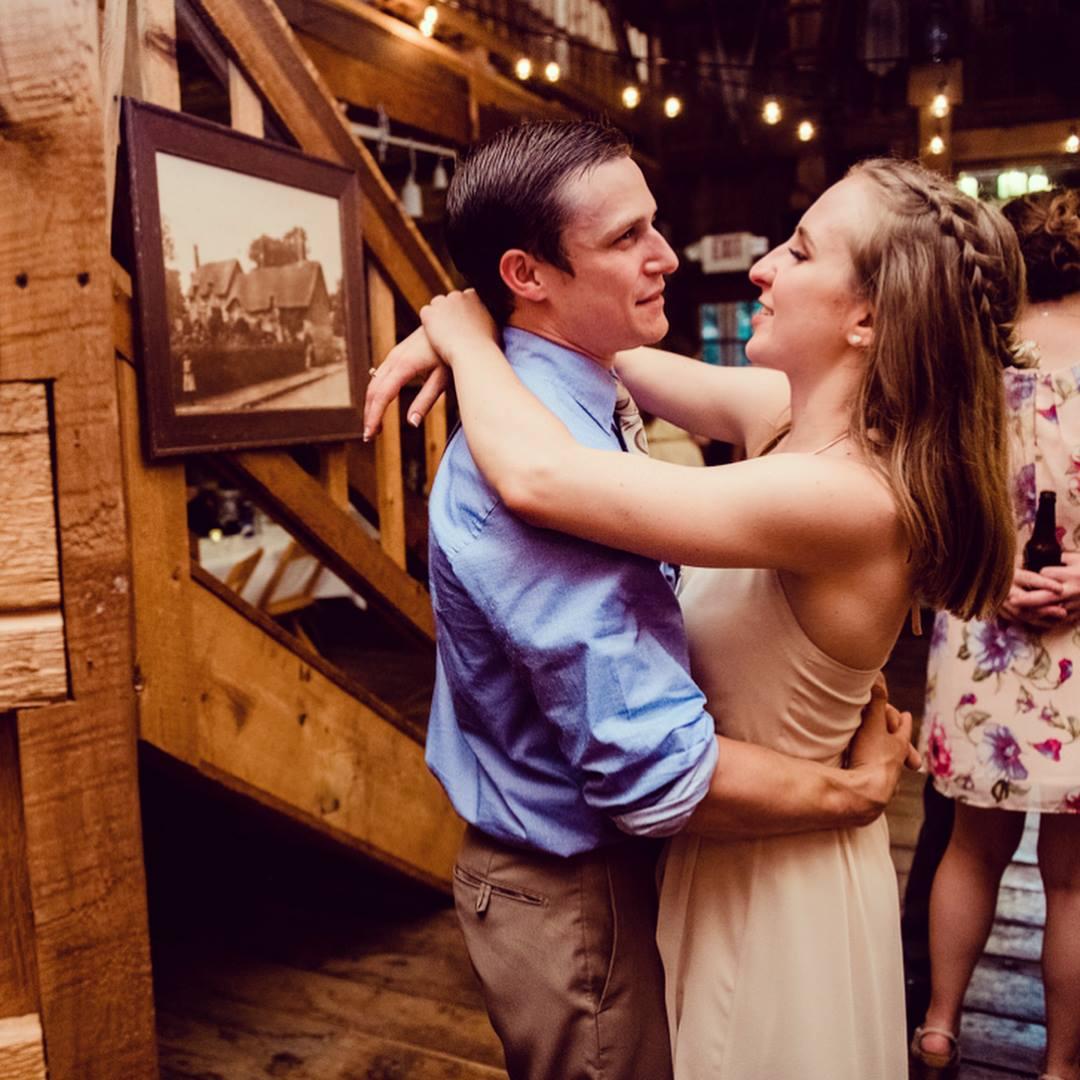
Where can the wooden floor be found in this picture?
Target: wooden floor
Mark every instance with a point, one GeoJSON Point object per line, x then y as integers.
{"type": "Point", "coordinates": [277, 956]}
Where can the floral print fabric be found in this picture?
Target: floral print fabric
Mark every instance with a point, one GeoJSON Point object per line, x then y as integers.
{"type": "Point", "coordinates": [1002, 721]}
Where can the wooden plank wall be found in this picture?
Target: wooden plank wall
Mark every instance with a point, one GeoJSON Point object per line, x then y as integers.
{"type": "Point", "coordinates": [77, 767]}
{"type": "Point", "coordinates": [33, 668]}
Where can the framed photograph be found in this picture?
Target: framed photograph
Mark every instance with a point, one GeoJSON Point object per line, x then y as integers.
{"type": "Point", "coordinates": [247, 285]}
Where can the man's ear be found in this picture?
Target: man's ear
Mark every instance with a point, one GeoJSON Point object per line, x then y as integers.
{"type": "Point", "coordinates": [518, 269]}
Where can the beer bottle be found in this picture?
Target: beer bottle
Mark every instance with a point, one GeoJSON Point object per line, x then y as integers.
{"type": "Point", "coordinates": [1043, 548]}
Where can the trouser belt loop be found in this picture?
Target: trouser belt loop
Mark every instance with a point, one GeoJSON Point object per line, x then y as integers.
{"type": "Point", "coordinates": [482, 898]}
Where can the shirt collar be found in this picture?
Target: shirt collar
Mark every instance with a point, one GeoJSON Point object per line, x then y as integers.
{"type": "Point", "coordinates": [591, 386]}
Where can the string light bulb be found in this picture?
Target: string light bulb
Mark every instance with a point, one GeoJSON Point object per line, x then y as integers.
{"type": "Point", "coordinates": [806, 131]}
{"type": "Point", "coordinates": [937, 145]}
{"type": "Point", "coordinates": [552, 71]}
{"type": "Point", "coordinates": [427, 23]}
{"type": "Point", "coordinates": [523, 68]}
{"type": "Point", "coordinates": [672, 106]}
{"type": "Point", "coordinates": [771, 112]}
{"type": "Point", "coordinates": [631, 96]}
{"type": "Point", "coordinates": [1072, 143]}
{"type": "Point", "coordinates": [939, 107]}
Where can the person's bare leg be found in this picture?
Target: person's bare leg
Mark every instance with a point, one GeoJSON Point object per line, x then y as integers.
{"type": "Point", "coordinates": [1059, 863]}
{"type": "Point", "coordinates": [962, 905]}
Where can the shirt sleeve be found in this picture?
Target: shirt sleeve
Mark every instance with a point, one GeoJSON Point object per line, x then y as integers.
{"type": "Point", "coordinates": [599, 636]}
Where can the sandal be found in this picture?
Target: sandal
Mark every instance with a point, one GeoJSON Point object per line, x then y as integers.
{"type": "Point", "coordinates": [935, 1066]}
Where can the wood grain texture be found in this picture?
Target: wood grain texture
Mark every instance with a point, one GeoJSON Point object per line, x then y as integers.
{"type": "Point", "coordinates": [413, 97]}
{"type": "Point", "coordinates": [22, 1053]}
{"type": "Point", "coordinates": [390, 484]}
{"type": "Point", "coordinates": [18, 966]}
{"type": "Point", "coordinates": [331, 534]}
{"type": "Point", "coordinates": [280, 727]}
{"type": "Point", "coordinates": [283, 73]}
{"type": "Point", "coordinates": [33, 666]}
{"type": "Point", "coordinates": [77, 759]}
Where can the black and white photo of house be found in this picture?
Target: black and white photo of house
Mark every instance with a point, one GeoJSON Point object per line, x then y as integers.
{"type": "Point", "coordinates": [253, 291]}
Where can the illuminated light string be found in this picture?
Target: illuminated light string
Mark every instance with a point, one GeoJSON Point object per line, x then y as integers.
{"type": "Point", "coordinates": [673, 106]}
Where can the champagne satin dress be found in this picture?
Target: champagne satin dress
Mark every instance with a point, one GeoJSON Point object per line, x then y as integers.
{"type": "Point", "coordinates": [782, 955]}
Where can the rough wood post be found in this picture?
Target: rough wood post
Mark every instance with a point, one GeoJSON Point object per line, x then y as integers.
{"type": "Point", "coordinates": [77, 760]}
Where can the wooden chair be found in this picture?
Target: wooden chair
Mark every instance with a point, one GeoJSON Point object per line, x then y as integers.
{"type": "Point", "coordinates": [301, 596]}
{"type": "Point", "coordinates": [240, 573]}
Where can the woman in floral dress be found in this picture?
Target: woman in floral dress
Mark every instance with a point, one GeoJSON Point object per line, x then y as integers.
{"type": "Point", "coordinates": [1002, 728]}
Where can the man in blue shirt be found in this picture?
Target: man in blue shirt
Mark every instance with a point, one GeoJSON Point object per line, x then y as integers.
{"type": "Point", "coordinates": [565, 726]}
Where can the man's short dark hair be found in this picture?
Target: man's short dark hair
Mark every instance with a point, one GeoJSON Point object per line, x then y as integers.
{"type": "Point", "coordinates": [506, 194]}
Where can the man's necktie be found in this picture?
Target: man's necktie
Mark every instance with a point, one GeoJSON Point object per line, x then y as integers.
{"type": "Point", "coordinates": [629, 421]}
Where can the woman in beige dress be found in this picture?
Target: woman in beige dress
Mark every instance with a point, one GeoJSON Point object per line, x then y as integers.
{"type": "Point", "coordinates": [876, 407]}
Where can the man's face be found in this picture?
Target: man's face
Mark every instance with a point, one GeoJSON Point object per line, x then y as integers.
{"type": "Point", "coordinates": [614, 299]}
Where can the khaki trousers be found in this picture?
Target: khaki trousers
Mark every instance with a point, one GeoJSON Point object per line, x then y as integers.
{"type": "Point", "coordinates": [565, 950]}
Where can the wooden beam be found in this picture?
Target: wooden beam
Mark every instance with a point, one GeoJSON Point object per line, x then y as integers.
{"type": "Point", "coordinates": [244, 104]}
{"type": "Point", "coordinates": [286, 77]}
{"type": "Point", "coordinates": [160, 579]}
{"type": "Point", "coordinates": [201, 578]}
{"type": "Point", "coordinates": [77, 759]}
{"type": "Point", "coordinates": [280, 731]}
{"type": "Point", "coordinates": [18, 965]}
{"type": "Point", "coordinates": [33, 665]}
{"type": "Point", "coordinates": [84, 853]}
{"type": "Point", "coordinates": [411, 97]}
{"type": "Point", "coordinates": [504, 93]}
{"type": "Point", "coordinates": [363, 479]}
{"type": "Point", "coordinates": [435, 436]}
{"type": "Point", "coordinates": [22, 1053]}
{"type": "Point", "coordinates": [390, 485]}
{"type": "Point", "coordinates": [333, 536]}
{"type": "Point", "coordinates": [1017, 142]}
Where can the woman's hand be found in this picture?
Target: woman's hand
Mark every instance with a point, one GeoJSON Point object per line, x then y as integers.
{"type": "Point", "coordinates": [1040, 601]}
{"type": "Point", "coordinates": [456, 322]}
{"type": "Point", "coordinates": [406, 361]}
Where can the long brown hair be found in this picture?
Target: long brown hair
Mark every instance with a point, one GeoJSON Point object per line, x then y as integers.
{"type": "Point", "coordinates": [945, 279]}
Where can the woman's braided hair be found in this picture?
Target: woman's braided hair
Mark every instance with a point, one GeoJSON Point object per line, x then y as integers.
{"type": "Point", "coordinates": [944, 278]}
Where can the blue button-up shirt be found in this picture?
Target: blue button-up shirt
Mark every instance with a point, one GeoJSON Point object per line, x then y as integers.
{"type": "Point", "coordinates": [563, 709]}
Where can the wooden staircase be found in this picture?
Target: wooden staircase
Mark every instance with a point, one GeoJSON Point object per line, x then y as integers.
{"type": "Point", "coordinates": [111, 634]}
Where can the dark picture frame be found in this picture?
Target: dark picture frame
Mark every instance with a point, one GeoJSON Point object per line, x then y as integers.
{"type": "Point", "coordinates": [248, 288]}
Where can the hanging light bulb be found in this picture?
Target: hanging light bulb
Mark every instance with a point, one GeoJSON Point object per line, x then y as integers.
{"type": "Point", "coordinates": [672, 106]}
{"type": "Point", "coordinates": [439, 179]}
{"type": "Point", "coordinates": [411, 199]}
{"type": "Point", "coordinates": [937, 145]}
{"type": "Point", "coordinates": [806, 131]}
{"type": "Point", "coordinates": [771, 113]}
{"type": "Point", "coordinates": [523, 68]}
{"type": "Point", "coordinates": [939, 107]}
{"type": "Point", "coordinates": [427, 23]}
{"type": "Point", "coordinates": [631, 96]}
{"type": "Point", "coordinates": [1072, 143]}
{"type": "Point", "coordinates": [552, 71]}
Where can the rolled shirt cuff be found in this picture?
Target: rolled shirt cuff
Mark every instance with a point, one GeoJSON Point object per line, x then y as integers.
{"type": "Point", "coordinates": [667, 816]}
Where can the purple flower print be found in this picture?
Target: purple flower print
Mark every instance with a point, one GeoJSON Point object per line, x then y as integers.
{"type": "Point", "coordinates": [938, 751]}
{"type": "Point", "coordinates": [999, 643]}
{"type": "Point", "coordinates": [1050, 748]}
{"type": "Point", "coordinates": [1064, 670]}
{"type": "Point", "coordinates": [940, 631]}
{"type": "Point", "coordinates": [1071, 803]}
{"type": "Point", "coordinates": [1024, 495]}
{"type": "Point", "coordinates": [1018, 388]}
{"type": "Point", "coordinates": [1024, 701]}
{"type": "Point", "coordinates": [1049, 414]}
{"type": "Point", "coordinates": [966, 699]}
{"type": "Point", "coordinates": [1001, 751]}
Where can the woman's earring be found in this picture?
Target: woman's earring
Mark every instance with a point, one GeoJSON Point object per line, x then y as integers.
{"type": "Point", "coordinates": [854, 339]}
